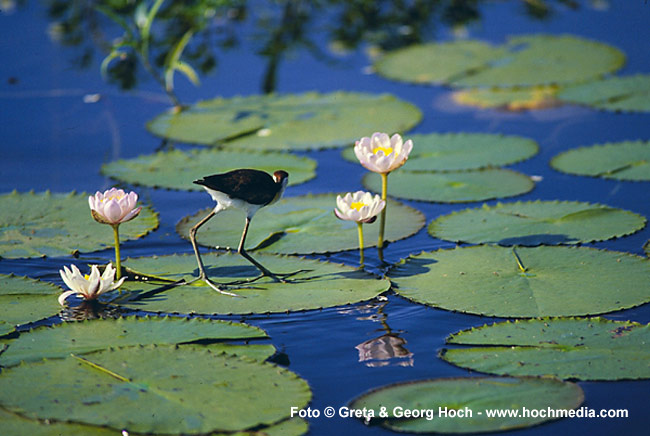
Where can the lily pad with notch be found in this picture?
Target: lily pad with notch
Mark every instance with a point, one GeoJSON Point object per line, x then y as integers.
{"type": "Point", "coordinates": [535, 223]}
{"type": "Point", "coordinates": [46, 224]}
{"type": "Point", "coordinates": [467, 399]}
{"type": "Point", "coordinates": [568, 348]}
{"type": "Point", "coordinates": [305, 121]}
{"type": "Point", "coordinates": [524, 282]}
{"type": "Point", "coordinates": [316, 284]}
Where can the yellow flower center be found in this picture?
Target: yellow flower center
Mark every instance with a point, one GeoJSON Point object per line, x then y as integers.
{"type": "Point", "coordinates": [386, 150]}
{"type": "Point", "coordinates": [86, 276]}
{"type": "Point", "coordinates": [113, 197]}
{"type": "Point", "coordinates": [357, 205]}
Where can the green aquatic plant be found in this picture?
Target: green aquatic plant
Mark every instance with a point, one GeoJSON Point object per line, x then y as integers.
{"type": "Point", "coordinates": [24, 300]}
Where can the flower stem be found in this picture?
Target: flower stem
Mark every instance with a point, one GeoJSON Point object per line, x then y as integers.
{"type": "Point", "coordinates": [118, 261]}
{"type": "Point", "coordinates": [382, 218]}
{"type": "Point", "coordinates": [360, 229]}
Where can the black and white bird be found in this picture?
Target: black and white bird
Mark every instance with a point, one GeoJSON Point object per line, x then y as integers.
{"type": "Point", "coordinates": [245, 189]}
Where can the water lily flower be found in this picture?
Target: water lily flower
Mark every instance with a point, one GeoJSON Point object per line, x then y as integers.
{"type": "Point", "coordinates": [362, 207]}
{"type": "Point", "coordinates": [382, 154]}
{"type": "Point", "coordinates": [114, 207]}
{"type": "Point", "coordinates": [88, 287]}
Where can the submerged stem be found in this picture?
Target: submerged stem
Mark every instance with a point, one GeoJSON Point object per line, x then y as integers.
{"type": "Point", "coordinates": [360, 229]}
{"type": "Point", "coordinates": [118, 261]}
{"type": "Point", "coordinates": [382, 217]}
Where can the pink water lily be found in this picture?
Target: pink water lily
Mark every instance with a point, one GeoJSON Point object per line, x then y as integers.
{"type": "Point", "coordinates": [88, 287]}
{"type": "Point", "coordinates": [360, 206]}
{"type": "Point", "coordinates": [114, 206]}
{"type": "Point", "coordinates": [381, 153]}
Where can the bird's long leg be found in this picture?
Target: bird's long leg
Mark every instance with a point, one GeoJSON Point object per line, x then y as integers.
{"type": "Point", "coordinates": [202, 274]}
{"type": "Point", "coordinates": [248, 257]}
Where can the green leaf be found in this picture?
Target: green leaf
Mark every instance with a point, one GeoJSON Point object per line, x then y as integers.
{"type": "Point", "coordinates": [16, 425]}
{"type": "Point", "coordinates": [462, 151]}
{"type": "Point", "coordinates": [24, 300]}
{"type": "Point", "coordinates": [177, 169]}
{"type": "Point", "coordinates": [173, 62]}
{"type": "Point", "coordinates": [453, 186]}
{"type": "Point", "coordinates": [568, 348]}
{"type": "Point", "coordinates": [193, 392]}
{"type": "Point", "coordinates": [524, 282]}
{"type": "Point", "coordinates": [627, 160]}
{"type": "Point", "coordinates": [526, 60]}
{"type": "Point", "coordinates": [286, 122]}
{"type": "Point", "coordinates": [304, 224]}
{"type": "Point", "coordinates": [510, 99]}
{"type": "Point", "coordinates": [319, 284]}
{"type": "Point", "coordinates": [626, 94]}
{"type": "Point", "coordinates": [535, 223]}
{"type": "Point", "coordinates": [259, 352]}
{"type": "Point", "coordinates": [46, 224]}
{"type": "Point", "coordinates": [471, 397]}
{"type": "Point", "coordinates": [88, 336]}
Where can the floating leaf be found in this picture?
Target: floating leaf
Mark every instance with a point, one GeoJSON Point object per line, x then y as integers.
{"type": "Point", "coordinates": [45, 224]}
{"type": "Point", "coordinates": [193, 392]}
{"type": "Point", "coordinates": [305, 224]}
{"type": "Point", "coordinates": [24, 300]}
{"type": "Point", "coordinates": [259, 352]}
{"type": "Point", "coordinates": [627, 94]}
{"type": "Point", "coordinates": [462, 151]}
{"type": "Point", "coordinates": [89, 336]}
{"type": "Point", "coordinates": [470, 398]}
{"type": "Point", "coordinates": [525, 60]}
{"type": "Point", "coordinates": [627, 160]}
{"type": "Point", "coordinates": [516, 99]}
{"type": "Point", "coordinates": [525, 282]}
{"type": "Point", "coordinates": [535, 223]}
{"type": "Point", "coordinates": [568, 348]}
{"type": "Point", "coordinates": [286, 122]}
{"type": "Point", "coordinates": [177, 169]}
{"type": "Point", "coordinates": [319, 284]}
{"type": "Point", "coordinates": [453, 186]}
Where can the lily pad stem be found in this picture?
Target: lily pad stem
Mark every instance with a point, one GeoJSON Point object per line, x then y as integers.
{"type": "Point", "coordinates": [360, 229]}
{"type": "Point", "coordinates": [118, 262]}
{"type": "Point", "coordinates": [100, 368]}
{"type": "Point", "coordinates": [521, 266]}
{"type": "Point", "coordinates": [382, 217]}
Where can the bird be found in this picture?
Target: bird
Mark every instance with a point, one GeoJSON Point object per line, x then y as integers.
{"type": "Point", "coordinates": [248, 190]}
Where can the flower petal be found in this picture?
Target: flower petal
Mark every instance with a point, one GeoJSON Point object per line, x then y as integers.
{"type": "Point", "coordinates": [64, 296]}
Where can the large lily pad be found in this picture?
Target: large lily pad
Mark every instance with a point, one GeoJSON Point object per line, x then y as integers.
{"type": "Point", "coordinates": [510, 99]}
{"type": "Point", "coordinates": [535, 223]}
{"type": "Point", "coordinates": [525, 60]}
{"type": "Point", "coordinates": [626, 94]}
{"type": "Point", "coordinates": [24, 300]}
{"type": "Point", "coordinates": [193, 392]}
{"type": "Point", "coordinates": [525, 282]}
{"type": "Point", "coordinates": [319, 284]}
{"type": "Point", "coordinates": [287, 122]}
{"type": "Point", "coordinates": [46, 224]}
{"type": "Point", "coordinates": [568, 348]}
{"type": "Point", "coordinates": [470, 398]}
{"type": "Point", "coordinates": [177, 169]}
{"type": "Point", "coordinates": [88, 336]}
{"type": "Point", "coordinates": [305, 224]}
{"type": "Point", "coordinates": [462, 151]}
{"type": "Point", "coordinates": [627, 160]}
{"type": "Point", "coordinates": [453, 186]}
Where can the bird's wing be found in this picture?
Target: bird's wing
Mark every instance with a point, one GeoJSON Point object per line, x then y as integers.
{"type": "Point", "coordinates": [252, 186]}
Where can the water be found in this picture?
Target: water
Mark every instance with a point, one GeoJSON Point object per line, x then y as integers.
{"type": "Point", "coordinates": [51, 139]}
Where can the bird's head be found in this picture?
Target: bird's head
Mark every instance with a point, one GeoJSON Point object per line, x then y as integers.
{"type": "Point", "coordinates": [281, 177]}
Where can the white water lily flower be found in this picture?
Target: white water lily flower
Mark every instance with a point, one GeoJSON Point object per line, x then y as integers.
{"type": "Point", "coordinates": [114, 206]}
{"type": "Point", "coordinates": [362, 207]}
{"type": "Point", "coordinates": [88, 287]}
{"type": "Point", "coordinates": [382, 154]}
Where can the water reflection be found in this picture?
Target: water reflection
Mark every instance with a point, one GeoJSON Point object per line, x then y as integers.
{"type": "Point", "coordinates": [92, 309]}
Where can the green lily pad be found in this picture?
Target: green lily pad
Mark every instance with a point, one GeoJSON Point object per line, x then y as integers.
{"type": "Point", "coordinates": [286, 122]}
{"type": "Point", "coordinates": [625, 94]}
{"type": "Point", "coordinates": [527, 60]}
{"type": "Point", "coordinates": [568, 348]}
{"type": "Point", "coordinates": [46, 224]}
{"type": "Point", "coordinates": [304, 224]}
{"type": "Point", "coordinates": [468, 399]}
{"type": "Point", "coordinates": [462, 151]}
{"type": "Point", "coordinates": [510, 99]}
{"type": "Point", "coordinates": [524, 282]}
{"type": "Point", "coordinates": [627, 160]}
{"type": "Point", "coordinates": [259, 352]}
{"type": "Point", "coordinates": [319, 284]}
{"type": "Point", "coordinates": [88, 336]}
{"type": "Point", "coordinates": [536, 222]}
{"type": "Point", "coordinates": [24, 300]}
{"type": "Point", "coordinates": [193, 392]}
{"type": "Point", "coordinates": [453, 186]}
{"type": "Point", "coordinates": [177, 169]}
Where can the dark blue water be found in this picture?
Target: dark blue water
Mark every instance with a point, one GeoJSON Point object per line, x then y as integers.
{"type": "Point", "coordinates": [51, 139]}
